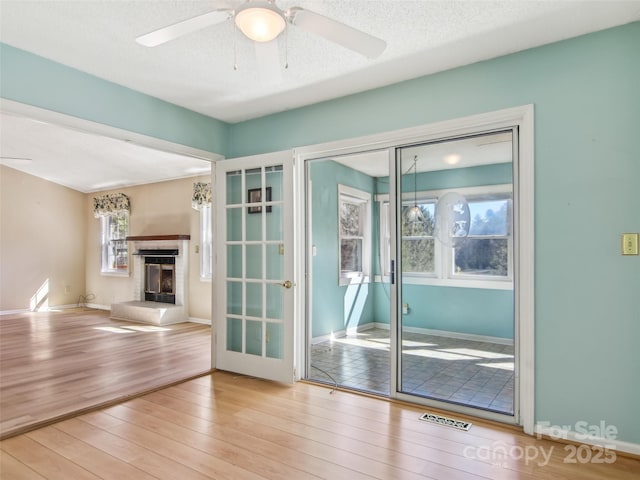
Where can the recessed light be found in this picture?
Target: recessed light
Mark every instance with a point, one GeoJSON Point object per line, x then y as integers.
{"type": "Point", "coordinates": [452, 159]}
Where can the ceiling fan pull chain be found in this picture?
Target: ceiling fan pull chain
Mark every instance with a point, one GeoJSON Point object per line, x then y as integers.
{"type": "Point", "coordinates": [286, 48]}
{"type": "Point", "coordinates": [235, 36]}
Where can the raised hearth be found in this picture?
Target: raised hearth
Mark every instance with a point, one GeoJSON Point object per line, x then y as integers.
{"type": "Point", "coordinates": [154, 313]}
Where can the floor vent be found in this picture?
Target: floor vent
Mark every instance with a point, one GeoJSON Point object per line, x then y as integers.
{"type": "Point", "coordinates": [447, 422]}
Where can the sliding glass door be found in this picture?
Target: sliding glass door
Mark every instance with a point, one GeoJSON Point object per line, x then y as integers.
{"type": "Point", "coordinates": [348, 308]}
{"type": "Point", "coordinates": [411, 272]}
{"type": "Point", "coordinates": [455, 255]}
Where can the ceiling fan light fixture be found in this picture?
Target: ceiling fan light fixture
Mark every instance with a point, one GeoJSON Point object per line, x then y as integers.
{"type": "Point", "coordinates": [261, 20]}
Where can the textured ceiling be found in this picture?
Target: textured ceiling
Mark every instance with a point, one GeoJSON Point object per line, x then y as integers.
{"type": "Point", "coordinates": [196, 71]}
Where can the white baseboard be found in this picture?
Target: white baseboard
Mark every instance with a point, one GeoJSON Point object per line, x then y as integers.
{"type": "Point", "coordinates": [52, 308]}
{"type": "Point", "coordinates": [97, 306]}
{"type": "Point", "coordinates": [203, 321]}
{"type": "Point", "coordinates": [462, 336]}
{"type": "Point", "coordinates": [14, 312]}
{"type": "Point", "coordinates": [343, 333]}
{"type": "Point", "coordinates": [424, 331]}
{"type": "Point", "coordinates": [61, 307]}
{"type": "Point", "coordinates": [575, 437]}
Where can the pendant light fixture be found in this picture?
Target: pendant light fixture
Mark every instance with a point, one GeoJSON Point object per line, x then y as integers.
{"type": "Point", "coordinates": [260, 20]}
{"type": "Point", "coordinates": [415, 213]}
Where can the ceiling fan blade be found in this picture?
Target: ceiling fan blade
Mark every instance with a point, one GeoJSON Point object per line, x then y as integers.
{"type": "Point", "coordinates": [163, 35]}
{"type": "Point", "coordinates": [337, 32]}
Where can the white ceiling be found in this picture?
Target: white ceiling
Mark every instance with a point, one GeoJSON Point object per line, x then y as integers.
{"type": "Point", "coordinates": [196, 71]}
{"type": "Point", "coordinates": [489, 149]}
{"type": "Point", "coordinates": [85, 161]}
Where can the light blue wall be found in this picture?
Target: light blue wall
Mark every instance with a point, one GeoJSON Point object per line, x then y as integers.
{"type": "Point", "coordinates": [36, 81]}
{"type": "Point", "coordinates": [587, 98]}
{"type": "Point", "coordinates": [478, 311]}
{"type": "Point", "coordinates": [335, 308]}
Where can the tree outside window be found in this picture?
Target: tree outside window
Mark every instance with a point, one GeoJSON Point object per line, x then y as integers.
{"type": "Point", "coordinates": [418, 245]}
{"type": "Point", "coordinates": [354, 235]}
{"type": "Point", "coordinates": [485, 251]}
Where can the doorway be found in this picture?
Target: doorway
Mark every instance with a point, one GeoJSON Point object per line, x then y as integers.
{"type": "Point", "coordinates": [348, 302]}
{"type": "Point", "coordinates": [455, 257]}
{"type": "Point", "coordinates": [425, 298]}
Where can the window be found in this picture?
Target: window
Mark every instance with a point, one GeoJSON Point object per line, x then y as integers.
{"type": "Point", "coordinates": [418, 243]}
{"type": "Point", "coordinates": [485, 250]}
{"type": "Point", "coordinates": [485, 254]}
{"type": "Point", "coordinates": [206, 242]}
{"type": "Point", "coordinates": [354, 218]}
{"type": "Point", "coordinates": [115, 249]}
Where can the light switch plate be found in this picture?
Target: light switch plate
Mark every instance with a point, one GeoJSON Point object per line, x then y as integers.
{"type": "Point", "coordinates": [630, 243]}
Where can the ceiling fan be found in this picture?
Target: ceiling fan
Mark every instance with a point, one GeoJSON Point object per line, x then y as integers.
{"type": "Point", "coordinates": [263, 21]}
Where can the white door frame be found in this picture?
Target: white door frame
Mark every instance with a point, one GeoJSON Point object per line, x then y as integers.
{"type": "Point", "coordinates": [523, 118]}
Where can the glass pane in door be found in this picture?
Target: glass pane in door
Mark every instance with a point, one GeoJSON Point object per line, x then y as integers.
{"type": "Point", "coordinates": [456, 291]}
{"type": "Point", "coordinates": [348, 272]}
{"type": "Point", "coordinates": [254, 262]}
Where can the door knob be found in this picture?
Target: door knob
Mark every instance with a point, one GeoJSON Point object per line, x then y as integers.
{"type": "Point", "coordinates": [287, 284]}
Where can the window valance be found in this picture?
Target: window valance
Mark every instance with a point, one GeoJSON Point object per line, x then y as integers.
{"type": "Point", "coordinates": [201, 195]}
{"type": "Point", "coordinates": [111, 204]}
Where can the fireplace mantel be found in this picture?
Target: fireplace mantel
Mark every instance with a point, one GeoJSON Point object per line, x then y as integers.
{"type": "Point", "coordinates": [155, 238]}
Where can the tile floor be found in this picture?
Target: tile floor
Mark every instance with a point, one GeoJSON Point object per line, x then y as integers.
{"type": "Point", "coordinates": [466, 372]}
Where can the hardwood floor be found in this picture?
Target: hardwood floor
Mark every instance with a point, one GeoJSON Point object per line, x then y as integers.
{"type": "Point", "coordinates": [56, 363]}
{"type": "Point", "coordinates": [234, 427]}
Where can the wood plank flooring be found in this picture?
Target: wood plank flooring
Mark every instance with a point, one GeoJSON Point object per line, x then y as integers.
{"type": "Point", "coordinates": [56, 363]}
{"type": "Point", "coordinates": [227, 426]}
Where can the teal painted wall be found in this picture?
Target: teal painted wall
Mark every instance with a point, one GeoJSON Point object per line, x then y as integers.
{"type": "Point", "coordinates": [478, 311]}
{"type": "Point", "coordinates": [335, 307]}
{"type": "Point", "coordinates": [36, 81]}
{"type": "Point", "coordinates": [586, 96]}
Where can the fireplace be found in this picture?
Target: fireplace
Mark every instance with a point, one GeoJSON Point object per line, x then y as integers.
{"type": "Point", "coordinates": [160, 281]}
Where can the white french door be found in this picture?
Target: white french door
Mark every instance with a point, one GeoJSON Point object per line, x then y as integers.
{"type": "Point", "coordinates": [254, 286]}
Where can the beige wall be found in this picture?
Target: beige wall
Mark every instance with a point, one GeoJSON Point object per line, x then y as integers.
{"type": "Point", "coordinates": [49, 236]}
{"type": "Point", "coordinates": [162, 208]}
{"type": "Point", "coordinates": [42, 246]}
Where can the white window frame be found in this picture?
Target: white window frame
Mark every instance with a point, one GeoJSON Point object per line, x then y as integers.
{"type": "Point", "coordinates": [419, 199]}
{"type": "Point", "coordinates": [385, 238]}
{"type": "Point", "coordinates": [106, 240]}
{"type": "Point", "coordinates": [444, 274]}
{"type": "Point", "coordinates": [360, 198]}
{"type": "Point", "coordinates": [206, 243]}
{"type": "Point", "coordinates": [449, 255]}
